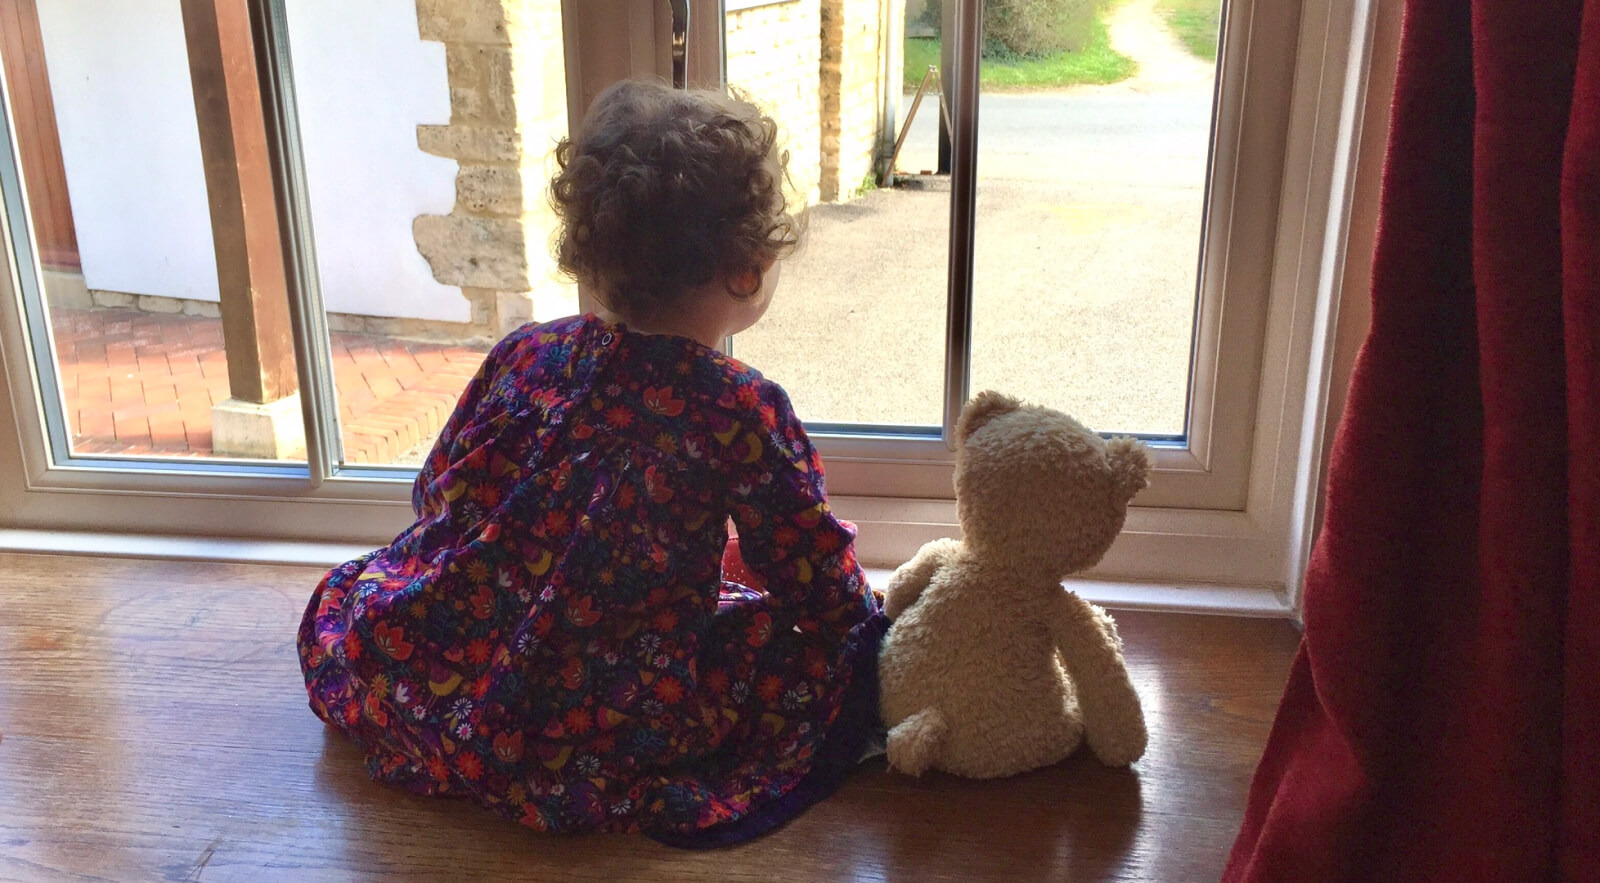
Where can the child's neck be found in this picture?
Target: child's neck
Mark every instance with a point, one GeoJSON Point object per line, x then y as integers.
{"type": "Point", "coordinates": [709, 334]}
{"type": "Point", "coordinates": [707, 315]}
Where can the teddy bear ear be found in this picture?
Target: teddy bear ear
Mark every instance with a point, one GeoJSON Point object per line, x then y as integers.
{"type": "Point", "coordinates": [983, 407]}
{"type": "Point", "coordinates": [1130, 464]}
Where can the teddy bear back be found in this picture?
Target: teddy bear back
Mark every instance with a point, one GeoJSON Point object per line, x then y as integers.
{"type": "Point", "coordinates": [1037, 490]}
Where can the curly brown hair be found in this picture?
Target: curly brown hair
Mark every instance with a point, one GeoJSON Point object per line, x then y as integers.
{"type": "Point", "coordinates": [663, 190]}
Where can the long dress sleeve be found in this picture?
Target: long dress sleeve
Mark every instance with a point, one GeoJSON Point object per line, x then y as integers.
{"type": "Point", "coordinates": [467, 408]}
{"type": "Point", "coordinates": [788, 535]}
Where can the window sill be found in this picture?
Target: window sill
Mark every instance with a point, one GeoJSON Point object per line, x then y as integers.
{"type": "Point", "coordinates": [1259, 601]}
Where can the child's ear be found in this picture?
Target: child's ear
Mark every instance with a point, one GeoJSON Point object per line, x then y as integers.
{"type": "Point", "coordinates": [744, 283]}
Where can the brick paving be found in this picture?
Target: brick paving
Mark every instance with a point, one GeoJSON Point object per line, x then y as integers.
{"type": "Point", "coordinates": [138, 383]}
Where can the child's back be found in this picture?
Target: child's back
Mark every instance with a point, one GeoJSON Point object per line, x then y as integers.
{"type": "Point", "coordinates": [553, 636]}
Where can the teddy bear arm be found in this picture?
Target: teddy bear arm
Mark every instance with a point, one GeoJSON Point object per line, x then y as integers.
{"type": "Point", "coordinates": [1091, 652]}
{"type": "Point", "coordinates": [906, 586]}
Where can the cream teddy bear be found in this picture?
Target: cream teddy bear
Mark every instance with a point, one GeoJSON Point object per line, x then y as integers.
{"type": "Point", "coordinates": [971, 672]}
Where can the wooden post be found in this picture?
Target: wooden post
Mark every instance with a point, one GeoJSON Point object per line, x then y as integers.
{"type": "Point", "coordinates": [244, 211]}
{"type": "Point", "coordinates": [34, 115]}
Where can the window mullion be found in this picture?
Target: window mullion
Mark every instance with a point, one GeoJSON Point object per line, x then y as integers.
{"type": "Point", "coordinates": [312, 344]}
{"type": "Point", "coordinates": [963, 202]}
{"type": "Point", "coordinates": [30, 300]}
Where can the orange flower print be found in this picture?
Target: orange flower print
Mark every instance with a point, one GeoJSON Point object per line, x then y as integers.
{"type": "Point", "coordinates": [656, 485]}
{"type": "Point", "coordinates": [469, 766]}
{"type": "Point", "coordinates": [437, 769]}
{"type": "Point", "coordinates": [826, 543]}
{"type": "Point", "coordinates": [533, 818]}
{"type": "Point", "coordinates": [557, 523]}
{"type": "Point", "coordinates": [581, 612]}
{"type": "Point", "coordinates": [669, 689]}
{"type": "Point", "coordinates": [483, 602]}
{"type": "Point", "coordinates": [760, 631]}
{"type": "Point", "coordinates": [579, 721]}
{"type": "Point", "coordinates": [478, 652]}
{"type": "Point", "coordinates": [572, 673]}
{"type": "Point", "coordinates": [660, 401]}
{"type": "Point", "coordinates": [392, 641]}
{"type": "Point", "coordinates": [508, 747]}
{"type": "Point", "coordinates": [331, 601]}
{"type": "Point", "coordinates": [488, 495]}
{"type": "Point", "coordinates": [717, 681]}
{"type": "Point", "coordinates": [619, 417]}
{"type": "Point", "coordinates": [375, 711]}
{"type": "Point", "coordinates": [665, 621]}
{"type": "Point", "coordinates": [771, 687]}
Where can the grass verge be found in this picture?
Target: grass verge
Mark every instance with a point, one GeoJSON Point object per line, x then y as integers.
{"type": "Point", "coordinates": [1095, 63]}
{"type": "Point", "coordinates": [1196, 23]}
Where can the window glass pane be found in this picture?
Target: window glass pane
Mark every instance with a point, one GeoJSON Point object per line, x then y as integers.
{"type": "Point", "coordinates": [110, 143]}
{"type": "Point", "coordinates": [1094, 134]}
{"type": "Point", "coordinates": [416, 283]}
{"type": "Point", "coordinates": [856, 330]}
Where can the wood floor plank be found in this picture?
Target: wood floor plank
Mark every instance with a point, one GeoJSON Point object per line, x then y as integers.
{"type": "Point", "coordinates": [153, 726]}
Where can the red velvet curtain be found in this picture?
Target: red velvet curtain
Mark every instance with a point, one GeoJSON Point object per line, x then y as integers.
{"type": "Point", "coordinates": [1442, 719]}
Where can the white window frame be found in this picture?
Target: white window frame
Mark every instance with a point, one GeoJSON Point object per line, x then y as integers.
{"type": "Point", "coordinates": [1226, 524]}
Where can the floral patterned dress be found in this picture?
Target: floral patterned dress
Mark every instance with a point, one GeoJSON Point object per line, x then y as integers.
{"type": "Point", "coordinates": [554, 636]}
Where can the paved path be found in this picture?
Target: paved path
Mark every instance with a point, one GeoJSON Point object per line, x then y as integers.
{"type": "Point", "coordinates": [142, 384]}
{"type": "Point", "coordinates": [1089, 219]}
{"type": "Point", "coordinates": [1137, 31]}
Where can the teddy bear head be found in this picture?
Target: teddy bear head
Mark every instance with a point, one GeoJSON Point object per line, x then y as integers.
{"type": "Point", "coordinates": [1036, 490]}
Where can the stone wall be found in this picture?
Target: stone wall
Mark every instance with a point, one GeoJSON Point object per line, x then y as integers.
{"type": "Point", "coordinates": [508, 107]}
{"type": "Point", "coordinates": [818, 66]}
{"type": "Point", "coordinates": [855, 43]}
{"type": "Point", "coordinates": [774, 55]}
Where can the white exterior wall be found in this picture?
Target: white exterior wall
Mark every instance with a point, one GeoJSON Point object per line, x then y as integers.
{"type": "Point", "coordinates": [119, 74]}
{"type": "Point", "coordinates": [364, 80]}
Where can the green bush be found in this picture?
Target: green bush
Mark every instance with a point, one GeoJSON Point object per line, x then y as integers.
{"type": "Point", "coordinates": [1014, 29]}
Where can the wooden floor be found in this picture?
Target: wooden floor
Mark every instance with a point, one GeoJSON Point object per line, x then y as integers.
{"type": "Point", "coordinates": [155, 728]}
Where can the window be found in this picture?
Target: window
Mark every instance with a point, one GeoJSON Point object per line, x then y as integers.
{"type": "Point", "coordinates": [1158, 258]}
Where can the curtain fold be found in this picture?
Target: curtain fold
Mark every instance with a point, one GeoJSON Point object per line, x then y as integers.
{"type": "Point", "coordinates": [1442, 718]}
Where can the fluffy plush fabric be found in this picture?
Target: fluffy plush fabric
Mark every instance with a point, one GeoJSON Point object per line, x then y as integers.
{"type": "Point", "coordinates": [990, 668]}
